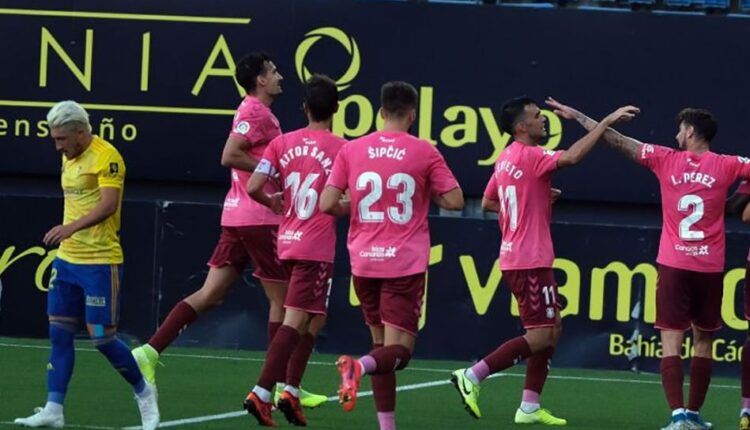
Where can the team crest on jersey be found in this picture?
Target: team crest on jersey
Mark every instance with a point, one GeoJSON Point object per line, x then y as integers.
{"type": "Point", "coordinates": [242, 127]}
{"type": "Point", "coordinates": [114, 169]}
{"type": "Point", "coordinates": [550, 313]}
{"type": "Point", "coordinates": [646, 149]}
{"type": "Point", "coordinates": [549, 152]}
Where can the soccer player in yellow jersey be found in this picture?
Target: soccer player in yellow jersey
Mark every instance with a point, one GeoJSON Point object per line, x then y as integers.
{"type": "Point", "coordinates": [86, 275]}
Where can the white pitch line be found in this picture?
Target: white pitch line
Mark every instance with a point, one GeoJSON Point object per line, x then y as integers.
{"type": "Point", "coordinates": [71, 426]}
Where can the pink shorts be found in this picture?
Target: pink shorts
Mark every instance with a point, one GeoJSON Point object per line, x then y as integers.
{"type": "Point", "coordinates": [685, 298]}
{"type": "Point", "coordinates": [239, 245]}
{"type": "Point", "coordinates": [535, 291]}
{"type": "Point", "coordinates": [396, 302]}
{"type": "Point", "coordinates": [309, 286]}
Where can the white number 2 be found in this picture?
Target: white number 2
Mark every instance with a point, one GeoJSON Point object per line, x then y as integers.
{"type": "Point", "coordinates": [686, 203]}
{"type": "Point", "coordinates": [509, 204]}
{"type": "Point", "coordinates": [374, 182]}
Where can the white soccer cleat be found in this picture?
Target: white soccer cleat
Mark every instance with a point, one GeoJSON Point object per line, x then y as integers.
{"type": "Point", "coordinates": [148, 406]}
{"type": "Point", "coordinates": [42, 418]}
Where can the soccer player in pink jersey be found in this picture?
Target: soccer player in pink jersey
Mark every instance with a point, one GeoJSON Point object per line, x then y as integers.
{"type": "Point", "coordinates": [519, 190]}
{"type": "Point", "coordinates": [391, 177]}
{"type": "Point", "coordinates": [694, 182]}
{"type": "Point", "coordinates": [248, 229]}
{"type": "Point", "coordinates": [302, 160]}
{"type": "Point", "coordinates": [739, 203]}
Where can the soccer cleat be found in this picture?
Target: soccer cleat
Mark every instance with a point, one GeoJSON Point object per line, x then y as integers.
{"type": "Point", "coordinates": [259, 409]}
{"type": "Point", "coordinates": [148, 406]}
{"type": "Point", "coordinates": [42, 418]}
{"type": "Point", "coordinates": [539, 416]}
{"type": "Point", "coordinates": [679, 422]}
{"type": "Point", "coordinates": [292, 409]}
{"type": "Point", "coordinates": [695, 422]}
{"type": "Point", "coordinates": [469, 392]}
{"type": "Point", "coordinates": [351, 374]}
{"type": "Point", "coordinates": [147, 359]}
{"type": "Point", "coordinates": [307, 399]}
{"type": "Point", "coordinates": [745, 422]}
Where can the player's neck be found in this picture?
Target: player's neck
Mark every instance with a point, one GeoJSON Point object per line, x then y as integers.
{"type": "Point", "coordinates": [697, 147]}
{"type": "Point", "coordinates": [320, 125]}
{"type": "Point", "coordinates": [526, 140]}
{"type": "Point", "coordinates": [263, 97]}
{"type": "Point", "coordinates": [396, 126]}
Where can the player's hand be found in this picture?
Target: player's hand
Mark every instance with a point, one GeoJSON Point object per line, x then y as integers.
{"type": "Point", "coordinates": [554, 194]}
{"type": "Point", "coordinates": [57, 234]}
{"type": "Point", "coordinates": [560, 109]}
{"type": "Point", "coordinates": [277, 203]}
{"type": "Point", "coordinates": [625, 113]}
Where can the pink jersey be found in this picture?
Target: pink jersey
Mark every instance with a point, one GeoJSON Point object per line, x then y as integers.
{"type": "Point", "coordinates": [521, 182]}
{"type": "Point", "coordinates": [693, 193]}
{"type": "Point", "coordinates": [303, 159]}
{"type": "Point", "coordinates": [391, 177]}
{"type": "Point", "coordinates": [255, 123]}
{"type": "Point", "coordinates": [744, 188]}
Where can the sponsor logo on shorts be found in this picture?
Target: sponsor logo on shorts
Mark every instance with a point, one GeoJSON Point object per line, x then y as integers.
{"type": "Point", "coordinates": [692, 251]}
{"type": "Point", "coordinates": [98, 302]}
{"type": "Point", "coordinates": [379, 252]}
{"type": "Point", "coordinates": [291, 236]}
{"type": "Point", "coordinates": [550, 313]}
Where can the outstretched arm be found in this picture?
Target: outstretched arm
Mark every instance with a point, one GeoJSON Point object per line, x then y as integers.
{"type": "Point", "coordinates": [627, 145]}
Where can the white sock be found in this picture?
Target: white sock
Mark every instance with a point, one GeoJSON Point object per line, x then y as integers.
{"type": "Point", "coordinates": [472, 377]}
{"type": "Point", "coordinates": [54, 408]}
{"type": "Point", "coordinates": [264, 394]}
{"type": "Point", "coordinates": [692, 412]}
{"type": "Point", "coordinates": [528, 408]}
{"type": "Point", "coordinates": [294, 391]}
{"type": "Point", "coordinates": [678, 411]}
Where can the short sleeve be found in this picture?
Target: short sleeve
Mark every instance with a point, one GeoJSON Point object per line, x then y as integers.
{"type": "Point", "coordinates": [258, 128]}
{"type": "Point", "coordinates": [490, 191]}
{"type": "Point", "coordinates": [269, 162]}
{"type": "Point", "coordinates": [111, 170]}
{"type": "Point", "coordinates": [744, 188]}
{"type": "Point", "coordinates": [340, 172]}
{"type": "Point", "coordinates": [441, 177]}
{"type": "Point", "coordinates": [653, 156]}
{"type": "Point", "coordinates": [740, 165]}
{"type": "Point", "coordinates": [545, 160]}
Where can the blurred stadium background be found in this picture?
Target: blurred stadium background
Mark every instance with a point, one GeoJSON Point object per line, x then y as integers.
{"type": "Point", "coordinates": [156, 79]}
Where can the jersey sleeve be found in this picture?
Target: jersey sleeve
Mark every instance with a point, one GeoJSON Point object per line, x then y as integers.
{"type": "Point", "coordinates": [111, 170]}
{"type": "Point", "coordinates": [340, 172]}
{"type": "Point", "coordinates": [269, 162]}
{"type": "Point", "coordinates": [653, 156]}
{"type": "Point", "coordinates": [490, 191]}
{"type": "Point", "coordinates": [254, 127]}
{"type": "Point", "coordinates": [744, 188]}
{"type": "Point", "coordinates": [545, 160]}
{"type": "Point", "coordinates": [740, 165]}
{"type": "Point", "coordinates": [441, 178]}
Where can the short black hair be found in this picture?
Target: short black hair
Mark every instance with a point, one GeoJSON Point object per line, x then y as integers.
{"type": "Point", "coordinates": [398, 98]}
{"type": "Point", "coordinates": [702, 121]}
{"type": "Point", "coordinates": [249, 68]}
{"type": "Point", "coordinates": [321, 97]}
{"type": "Point", "coordinates": [512, 111]}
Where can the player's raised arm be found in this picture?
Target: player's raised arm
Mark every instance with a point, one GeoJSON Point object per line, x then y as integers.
{"type": "Point", "coordinates": [583, 146]}
{"type": "Point", "coordinates": [627, 145]}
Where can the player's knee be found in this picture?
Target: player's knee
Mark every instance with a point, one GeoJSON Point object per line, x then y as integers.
{"type": "Point", "coordinates": [62, 332]}
{"type": "Point", "coordinates": [404, 356]}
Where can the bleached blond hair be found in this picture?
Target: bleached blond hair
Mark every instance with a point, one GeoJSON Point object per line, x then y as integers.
{"type": "Point", "coordinates": [68, 113]}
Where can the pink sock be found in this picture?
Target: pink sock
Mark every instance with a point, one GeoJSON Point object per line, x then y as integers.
{"type": "Point", "coordinates": [387, 420]}
{"type": "Point", "coordinates": [530, 396]}
{"type": "Point", "coordinates": [481, 370]}
{"type": "Point", "coordinates": [746, 403]}
{"type": "Point", "coordinates": [368, 364]}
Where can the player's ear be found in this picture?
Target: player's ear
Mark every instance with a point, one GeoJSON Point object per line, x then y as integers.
{"type": "Point", "coordinates": [382, 113]}
{"type": "Point", "coordinates": [412, 115]}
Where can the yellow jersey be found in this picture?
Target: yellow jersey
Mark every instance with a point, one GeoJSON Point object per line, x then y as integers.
{"type": "Point", "coordinates": [99, 166]}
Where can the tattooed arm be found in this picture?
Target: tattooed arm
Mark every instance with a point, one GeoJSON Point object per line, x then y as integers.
{"type": "Point", "coordinates": [627, 145]}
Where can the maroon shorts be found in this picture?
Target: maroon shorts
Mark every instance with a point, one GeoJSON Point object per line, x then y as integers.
{"type": "Point", "coordinates": [396, 302]}
{"type": "Point", "coordinates": [309, 286]}
{"type": "Point", "coordinates": [685, 298]}
{"type": "Point", "coordinates": [239, 245]}
{"type": "Point", "coordinates": [535, 291]}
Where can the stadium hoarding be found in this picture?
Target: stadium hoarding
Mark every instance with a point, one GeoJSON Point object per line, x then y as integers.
{"type": "Point", "coordinates": [606, 274]}
{"type": "Point", "coordinates": [156, 77]}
